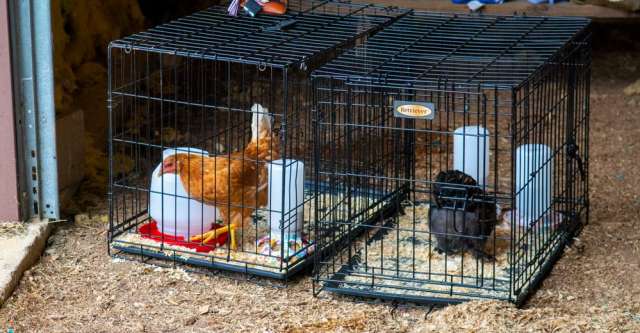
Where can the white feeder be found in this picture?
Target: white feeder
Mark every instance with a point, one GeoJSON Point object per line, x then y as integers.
{"type": "Point", "coordinates": [534, 168]}
{"type": "Point", "coordinates": [471, 152]}
{"type": "Point", "coordinates": [170, 206]}
{"type": "Point", "coordinates": [286, 204]}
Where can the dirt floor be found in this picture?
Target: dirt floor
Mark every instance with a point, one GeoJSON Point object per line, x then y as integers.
{"type": "Point", "coordinates": [595, 287]}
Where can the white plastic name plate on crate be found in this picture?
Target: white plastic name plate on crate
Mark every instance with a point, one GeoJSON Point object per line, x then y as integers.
{"type": "Point", "coordinates": [534, 168]}
{"type": "Point", "coordinates": [170, 206]}
{"type": "Point", "coordinates": [471, 152]}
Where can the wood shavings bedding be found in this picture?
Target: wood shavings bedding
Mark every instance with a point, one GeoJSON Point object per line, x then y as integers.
{"type": "Point", "coordinates": [401, 260]}
{"type": "Point", "coordinates": [249, 253]}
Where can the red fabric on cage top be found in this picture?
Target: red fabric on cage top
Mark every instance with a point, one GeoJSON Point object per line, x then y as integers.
{"type": "Point", "coordinates": [151, 231]}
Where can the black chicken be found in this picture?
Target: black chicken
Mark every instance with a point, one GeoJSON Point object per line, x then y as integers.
{"type": "Point", "coordinates": [463, 216]}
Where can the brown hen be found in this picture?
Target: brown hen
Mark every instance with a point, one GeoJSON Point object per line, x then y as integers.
{"type": "Point", "coordinates": [236, 184]}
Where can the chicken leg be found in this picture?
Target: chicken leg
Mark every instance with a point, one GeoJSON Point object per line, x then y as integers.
{"type": "Point", "coordinates": [231, 228]}
{"type": "Point", "coordinates": [213, 234]}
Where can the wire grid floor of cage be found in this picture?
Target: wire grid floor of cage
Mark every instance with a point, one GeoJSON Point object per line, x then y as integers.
{"type": "Point", "coordinates": [385, 263]}
{"type": "Point", "coordinates": [132, 243]}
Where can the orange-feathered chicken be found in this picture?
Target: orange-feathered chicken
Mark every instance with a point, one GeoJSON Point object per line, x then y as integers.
{"type": "Point", "coordinates": [237, 183]}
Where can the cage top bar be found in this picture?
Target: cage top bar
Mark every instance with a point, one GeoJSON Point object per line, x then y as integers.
{"type": "Point", "coordinates": [422, 48]}
{"type": "Point", "coordinates": [311, 28]}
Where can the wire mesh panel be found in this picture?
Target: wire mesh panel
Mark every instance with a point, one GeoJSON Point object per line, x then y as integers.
{"type": "Point", "coordinates": [210, 154]}
{"type": "Point", "coordinates": [454, 149]}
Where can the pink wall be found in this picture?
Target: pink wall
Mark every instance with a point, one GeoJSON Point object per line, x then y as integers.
{"type": "Point", "coordinates": [9, 209]}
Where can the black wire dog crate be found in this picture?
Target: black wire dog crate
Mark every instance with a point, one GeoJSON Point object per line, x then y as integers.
{"type": "Point", "coordinates": [210, 158]}
{"type": "Point", "coordinates": [474, 129]}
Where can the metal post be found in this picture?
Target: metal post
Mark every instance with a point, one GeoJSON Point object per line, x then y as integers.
{"type": "Point", "coordinates": [45, 104]}
{"type": "Point", "coordinates": [34, 88]}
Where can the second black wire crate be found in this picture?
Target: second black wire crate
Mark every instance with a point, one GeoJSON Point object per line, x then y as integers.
{"type": "Point", "coordinates": [479, 125]}
{"type": "Point", "coordinates": [210, 127]}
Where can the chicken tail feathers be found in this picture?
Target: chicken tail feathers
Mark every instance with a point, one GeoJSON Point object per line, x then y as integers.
{"type": "Point", "coordinates": [261, 147]}
{"type": "Point", "coordinates": [260, 122]}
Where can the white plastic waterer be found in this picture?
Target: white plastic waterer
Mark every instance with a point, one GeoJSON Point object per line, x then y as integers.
{"type": "Point", "coordinates": [534, 167]}
{"type": "Point", "coordinates": [471, 152]}
{"type": "Point", "coordinates": [286, 200]}
{"type": "Point", "coordinates": [170, 206]}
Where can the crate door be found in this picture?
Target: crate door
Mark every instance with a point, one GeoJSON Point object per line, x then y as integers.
{"type": "Point", "coordinates": [445, 129]}
{"type": "Point", "coordinates": [363, 161]}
